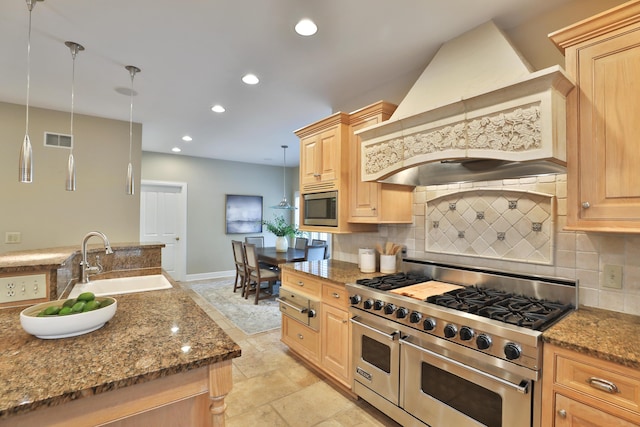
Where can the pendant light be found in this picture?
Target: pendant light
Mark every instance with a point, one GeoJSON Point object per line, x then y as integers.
{"type": "Point", "coordinates": [284, 204]}
{"type": "Point", "coordinates": [25, 167]}
{"type": "Point", "coordinates": [130, 181]}
{"type": "Point", "coordinates": [70, 184]}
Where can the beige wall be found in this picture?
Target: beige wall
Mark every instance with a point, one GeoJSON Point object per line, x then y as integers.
{"type": "Point", "coordinates": [208, 182]}
{"type": "Point", "coordinates": [44, 212]}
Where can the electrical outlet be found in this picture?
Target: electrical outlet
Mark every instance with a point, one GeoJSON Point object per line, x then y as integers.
{"type": "Point", "coordinates": [12, 237]}
{"type": "Point", "coordinates": [612, 276]}
{"type": "Point", "coordinates": [23, 288]}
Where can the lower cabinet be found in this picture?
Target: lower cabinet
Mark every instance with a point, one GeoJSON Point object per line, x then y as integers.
{"type": "Point", "coordinates": [300, 338]}
{"type": "Point", "coordinates": [329, 348]}
{"type": "Point", "coordinates": [580, 390]}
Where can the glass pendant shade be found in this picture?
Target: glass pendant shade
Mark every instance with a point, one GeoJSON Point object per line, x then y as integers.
{"type": "Point", "coordinates": [70, 183]}
{"type": "Point", "coordinates": [130, 185]}
{"type": "Point", "coordinates": [131, 190]}
{"type": "Point", "coordinates": [26, 161]}
{"type": "Point", "coordinates": [284, 204]}
{"type": "Point", "coordinates": [25, 165]}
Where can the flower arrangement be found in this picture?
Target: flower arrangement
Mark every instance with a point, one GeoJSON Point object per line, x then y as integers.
{"type": "Point", "coordinates": [280, 227]}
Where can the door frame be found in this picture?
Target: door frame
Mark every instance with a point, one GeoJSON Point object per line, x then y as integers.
{"type": "Point", "coordinates": [182, 218]}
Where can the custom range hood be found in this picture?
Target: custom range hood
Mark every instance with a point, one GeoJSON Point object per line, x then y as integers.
{"type": "Point", "coordinates": [476, 113]}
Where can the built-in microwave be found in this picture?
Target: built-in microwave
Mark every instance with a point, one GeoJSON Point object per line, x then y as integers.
{"type": "Point", "coordinates": [321, 209]}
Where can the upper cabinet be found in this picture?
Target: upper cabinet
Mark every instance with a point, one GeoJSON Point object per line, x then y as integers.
{"type": "Point", "coordinates": [330, 161]}
{"type": "Point", "coordinates": [323, 148]}
{"type": "Point", "coordinates": [603, 153]}
{"type": "Point", "coordinates": [374, 202]}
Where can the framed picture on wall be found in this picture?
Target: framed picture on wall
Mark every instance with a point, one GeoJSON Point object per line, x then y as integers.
{"type": "Point", "coordinates": [243, 214]}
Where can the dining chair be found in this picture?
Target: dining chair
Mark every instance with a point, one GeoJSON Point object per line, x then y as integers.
{"type": "Point", "coordinates": [256, 275]}
{"type": "Point", "coordinates": [314, 253]}
{"type": "Point", "coordinates": [241, 267]}
{"type": "Point", "coordinates": [255, 240]}
{"type": "Point", "coordinates": [300, 243]}
{"type": "Point", "coordinates": [318, 242]}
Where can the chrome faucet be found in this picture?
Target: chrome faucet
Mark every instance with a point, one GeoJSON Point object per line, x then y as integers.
{"type": "Point", "coordinates": [85, 268]}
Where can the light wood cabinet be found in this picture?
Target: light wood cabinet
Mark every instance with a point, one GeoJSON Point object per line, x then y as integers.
{"type": "Point", "coordinates": [602, 54]}
{"type": "Point", "coordinates": [330, 161]}
{"type": "Point", "coordinates": [579, 390]}
{"type": "Point", "coordinates": [374, 202]}
{"type": "Point", "coordinates": [323, 146]}
{"type": "Point", "coordinates": [328, 350]}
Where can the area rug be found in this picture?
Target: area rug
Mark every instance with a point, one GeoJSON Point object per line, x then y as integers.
{"type": "Point", "coordinates": [249, 317]}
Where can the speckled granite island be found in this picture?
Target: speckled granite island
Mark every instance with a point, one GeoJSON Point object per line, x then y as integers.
{"type": "Point", "coordinates": [161, 360]}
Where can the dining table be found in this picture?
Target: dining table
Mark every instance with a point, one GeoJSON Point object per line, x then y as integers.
{"type": "Point", "coordinates": [269, 255]}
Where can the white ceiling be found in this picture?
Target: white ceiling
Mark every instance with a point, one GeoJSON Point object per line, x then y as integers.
{"type": "Point", "coordinates": [193, 54]}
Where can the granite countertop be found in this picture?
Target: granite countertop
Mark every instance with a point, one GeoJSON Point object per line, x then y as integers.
{"type": "Point", "coordinates": [55, 257]}
{"type": "Point", "coordinates": [603, 334]}
{"type": "Point", "coordinates": [336, 271]}
{"type": "Point", "coordinates": [153, 334]}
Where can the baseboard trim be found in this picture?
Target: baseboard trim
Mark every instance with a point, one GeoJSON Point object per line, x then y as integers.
{"type": "Point", "coordinates": [212, 275]}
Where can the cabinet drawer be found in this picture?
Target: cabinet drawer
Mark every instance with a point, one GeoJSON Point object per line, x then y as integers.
{"type": "Point", "coordinates": [299, 282]}
{"type": "Point", "coordinates": [300, 338]}
{"type": "Point", "coordinates": [572, 413]}
{"type": "Point", "coordinates": [335, 295]}
{"type": "Point", "coordinates": [612, 384]}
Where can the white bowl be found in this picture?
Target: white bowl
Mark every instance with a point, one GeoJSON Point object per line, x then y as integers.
{"type": "Point", "coordinates": [71, 325]}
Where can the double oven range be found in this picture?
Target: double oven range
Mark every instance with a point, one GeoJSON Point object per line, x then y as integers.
{"type": "Point", "coordinates": [471, 356]}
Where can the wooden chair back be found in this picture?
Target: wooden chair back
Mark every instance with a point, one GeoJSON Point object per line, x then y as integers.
{"type": "Point", "coordinates": [313, 253]}
{"type": "Point", "coordinates": [301, 243]}
{"type": "Point", "coordinates": [255, 240]}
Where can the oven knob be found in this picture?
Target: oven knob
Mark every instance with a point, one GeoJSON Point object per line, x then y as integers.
{"type": "Point", "coordinates": [389, 309]}
{"type": "Point", "coordinates": [450, 331]}
{"type": "Point", "coordinates": [415, 317]}
{"type": "Point", "coordinates": [402, 313]}
{"type": "Point", "coordinates": [483, 342]}
{"type": "Point", "coordinates": [367, 304]}
{"type": "Point", "coordinates": [378, 305]}
{"type": "Point", "coordinates": [355, 299]}
{"type": "Point", "coordinates": [512, 351]}
{"type": "Point", "coordinates": [466, 333]}
{"type": "Point", "coordinates": [429, 324]}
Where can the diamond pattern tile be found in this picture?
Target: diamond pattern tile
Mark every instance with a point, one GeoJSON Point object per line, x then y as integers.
{"type": "Point", "coordinates": [492, 223]}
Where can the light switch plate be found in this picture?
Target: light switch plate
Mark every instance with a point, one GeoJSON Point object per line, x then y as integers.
{"type": "Point", "coordinates": [612, 276]}
{"type": "Point", "coordinates": [12, 237]}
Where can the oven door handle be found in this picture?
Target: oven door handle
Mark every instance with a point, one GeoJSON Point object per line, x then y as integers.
{"type": "Point", "coordinates": [519, 388]}
{"type": "Point", "coordinates": [390, 336]}
{"type": "Point", "coordinates": [296, 308]}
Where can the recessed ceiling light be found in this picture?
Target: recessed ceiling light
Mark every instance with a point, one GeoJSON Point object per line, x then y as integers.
{"type": "Point", "coordinates": [250, 79]}
{"type": "Point", "coordinates": [187, 138]}
{"type": "Point", "coordinates": [218, 108]}
{"type": "Point", "coordinates": [176, 149]}
{"type": "Point", "coordinates": [306, 27]}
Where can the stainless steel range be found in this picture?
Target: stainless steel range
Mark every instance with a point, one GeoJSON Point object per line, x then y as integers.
{"type": "Point", "coordinates": [444, 345]}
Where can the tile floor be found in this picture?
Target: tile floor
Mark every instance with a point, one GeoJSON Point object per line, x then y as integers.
{"type": "Point", "coordinates": [272, 387]}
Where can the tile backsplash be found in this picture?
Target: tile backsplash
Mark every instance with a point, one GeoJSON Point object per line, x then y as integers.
{"type": "Point", "coordinates": [492, 223]}
{"type": "Point", "coordinates": [573, 255]}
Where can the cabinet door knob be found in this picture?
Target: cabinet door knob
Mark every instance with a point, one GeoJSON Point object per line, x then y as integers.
{"type": "Point", "coordinates": [335, 295]}
{"type": "Point", "coordinates": [586, 205]}
{"type": "Point", "coordinates": [562, 413]}
{"type": "Point", "coordinates": [300, 336]}
{"type": "Point", "coordinates": [373, 208]}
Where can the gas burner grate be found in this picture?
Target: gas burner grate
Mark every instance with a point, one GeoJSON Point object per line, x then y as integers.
{"type": "Point", "coordinates": [526, 311]}
{"type": "Point", "coordinates": [393, 281]}
{"type": "Point", "coordinates": [517, 310]}
{"type": "Point", "coordinates": [469, 299]}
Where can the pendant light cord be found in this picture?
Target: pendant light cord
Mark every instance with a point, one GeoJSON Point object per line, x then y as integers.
{"type": "Point", "coordinates": [133, 73]}
{"type": "Point", "coordinates": [30, 5]}
{"type": "Point", "coordinates": [74, 51]}
{"type": "Point", "coordinates": [284, 172]}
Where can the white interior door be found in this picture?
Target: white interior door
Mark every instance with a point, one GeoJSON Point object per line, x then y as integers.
{"type": "Point", "coordinates": [163, 213]}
